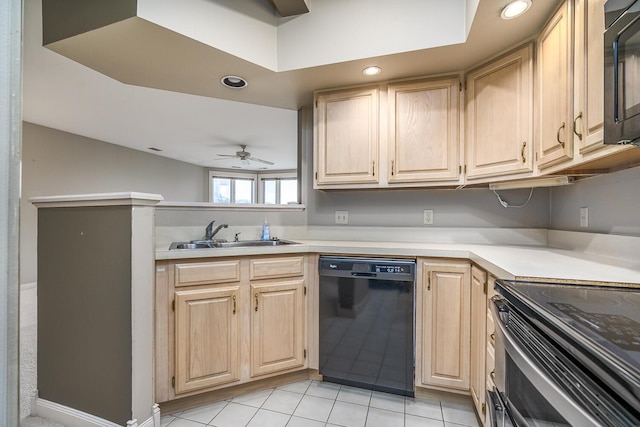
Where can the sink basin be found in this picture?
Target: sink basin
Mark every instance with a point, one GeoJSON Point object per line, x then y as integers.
{"type": "Point", "coordinates": [189, 245]}
{"type": "Point", "coordinates": [250, 243]}
{"type": "Point", "coordinates": [208, 244]}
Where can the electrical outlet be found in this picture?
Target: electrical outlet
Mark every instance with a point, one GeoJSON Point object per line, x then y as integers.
{"type": "Point", "coordinates": [342, 217]}
{"type": "Point", "coordinates": [584, 217]}
{"type": "Point", "coordinates": [428, 217]}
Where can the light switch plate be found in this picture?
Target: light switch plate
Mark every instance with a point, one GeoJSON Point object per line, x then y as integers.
{"type": "Point", "coordinates": [428, 217]}
{"type": "Point", "coordinates": [584, 217]}
{"type": "Point", "coordinates": [342, 217]}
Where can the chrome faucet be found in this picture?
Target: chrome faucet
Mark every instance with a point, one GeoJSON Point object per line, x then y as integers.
{"type": "Point", "coordinates": [209, 232]}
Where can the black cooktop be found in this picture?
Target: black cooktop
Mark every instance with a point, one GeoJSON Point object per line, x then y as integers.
{"type": "Point", "coordinates": [601, 322]}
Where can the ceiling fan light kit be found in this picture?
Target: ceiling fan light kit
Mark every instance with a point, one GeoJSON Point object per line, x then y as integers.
{"type": "Point", "coordinates": [245, 156]}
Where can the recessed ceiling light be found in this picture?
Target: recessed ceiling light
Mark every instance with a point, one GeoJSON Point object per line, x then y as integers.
{"type": "Point", "coordinates": [372, 71]}
{"type": "Point", "coordinates": [234, 82]}
{"type": "Point", "coordinates": [515, 9]}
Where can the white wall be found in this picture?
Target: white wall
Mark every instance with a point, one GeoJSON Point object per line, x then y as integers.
{"type": "Point", "coordinates": [56, 162]}
{"type": "Point", "coordinates": [613, 201]}
{"type": "Point", "coordinates": [10, 116]}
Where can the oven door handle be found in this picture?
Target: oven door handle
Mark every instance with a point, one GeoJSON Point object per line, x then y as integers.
{"type": "Point", "coordinates": [496, 410]}
{"type": "Point", "coordinates": [563, 403]}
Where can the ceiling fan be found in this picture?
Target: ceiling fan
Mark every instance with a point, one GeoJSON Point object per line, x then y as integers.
{"type": "Point", "coordinates": [245, 155]}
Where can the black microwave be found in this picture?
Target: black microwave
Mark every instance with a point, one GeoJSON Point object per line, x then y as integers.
{"type": "Point", "coordinates": [622, 72]}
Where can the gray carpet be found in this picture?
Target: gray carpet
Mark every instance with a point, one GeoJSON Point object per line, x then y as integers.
{"type": "Point", "coordinates": [38, 422]}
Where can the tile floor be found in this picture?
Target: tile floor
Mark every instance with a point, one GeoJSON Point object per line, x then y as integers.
{"type": "Point", "coordinates": [318, 404]}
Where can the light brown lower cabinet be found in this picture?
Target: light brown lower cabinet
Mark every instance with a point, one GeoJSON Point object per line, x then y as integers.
{"type": "Point", "coordinates": [443, 332]}
{"type": "Point", "coordinates": [228, 321]}
{"type": "Point", "coordinates": [277, 326]}
{"type": "Point", "coordinates": [207, 338]}
{"type": "Point", "coordinates": [477, 385]}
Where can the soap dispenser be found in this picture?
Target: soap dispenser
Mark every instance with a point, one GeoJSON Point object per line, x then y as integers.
{"type": "Point", "coordinates": [266, 235]}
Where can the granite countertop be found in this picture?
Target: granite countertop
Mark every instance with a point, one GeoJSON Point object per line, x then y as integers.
{"type": "Point", "coordinates": [503, 261]}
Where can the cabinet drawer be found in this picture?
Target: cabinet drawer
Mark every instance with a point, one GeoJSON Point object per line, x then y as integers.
{"type": "Point", "coordinates": [268, 268]}
{"type": "Point", "coordinates": [207, 272]}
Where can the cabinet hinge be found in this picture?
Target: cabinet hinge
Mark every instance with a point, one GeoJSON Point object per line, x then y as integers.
{"type": "Point", "coordinates": [305, 290]}
{"type": "Point", "coordinates": [316, 175]}
{"type": "Point", "coordinates": [460, 169]}
{"type": "Point", "coordinates": [173, 382]}
{"type": "Point", "coordinates": [173, 305]}
{"type": "Point", "coordinates": [484, 408]}
{"type": "Point", "coordinates": [304, 353]}
{"type": "Point", "coordinates": [316, 103]}
{"type": "Point", "coordinates": [536, 156]}
{"type": "Point", "coordinates": [486, 287]}
{"type": "Point", "coordinates": [460, 87]}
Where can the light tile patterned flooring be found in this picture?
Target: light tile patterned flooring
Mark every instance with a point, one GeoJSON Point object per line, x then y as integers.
{"type": "Point", "coordinates": [318, 404]}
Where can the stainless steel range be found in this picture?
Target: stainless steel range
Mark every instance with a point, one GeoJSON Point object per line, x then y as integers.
{"type": "Point", "coordinates": [566, 354]}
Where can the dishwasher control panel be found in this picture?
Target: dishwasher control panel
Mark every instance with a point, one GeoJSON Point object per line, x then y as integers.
{"type": "Point", "coordinates": [373, 268]}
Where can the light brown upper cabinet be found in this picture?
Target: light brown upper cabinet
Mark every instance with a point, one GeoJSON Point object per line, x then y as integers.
{"type": "Point", "coordinates": [588, 121]}
{"type": "Point", "coordinates": [554, 117]}
{"type": "Point", "coordinates": [424, 131]}
{"type": "Point", "coordinates": [499, 116]}
{"type": "Point", "coordinates": [346, 137]}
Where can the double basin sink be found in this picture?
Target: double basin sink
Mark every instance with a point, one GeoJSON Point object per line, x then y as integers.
{"type": "Point", "coordinates": [209, 244]}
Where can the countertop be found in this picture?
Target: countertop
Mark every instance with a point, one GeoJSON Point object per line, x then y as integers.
{"type": "Point", "coordinates": [503, 261]}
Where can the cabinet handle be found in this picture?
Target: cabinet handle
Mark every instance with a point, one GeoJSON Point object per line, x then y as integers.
{"type": "Point", "coordinates": [493, 375]}
{"type": "Point", "coordinates": [524, 145]}
{"type": "Point", "coordinates": [579, 135]}
{"type": "Point", "coordinates": [234, 304]}
{"type": "Point", "coordinates": [429, 282]}
{"type": "Point", "coordinates": [392, 161]}
{"type": "Point", "coordinates": [558, 135]}
{"type": "Point", "coordinates": [256, 302]}
{"type": "Point", "coordinates": [493, 336]}
{"type": "Point", "coordinates": [373, 168]}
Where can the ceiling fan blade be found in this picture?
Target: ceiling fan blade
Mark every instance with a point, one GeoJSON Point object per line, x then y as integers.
{"type": "Point", "coordinates": [226, 155]}
{"type": "Point", "coordinates": [266, 162]}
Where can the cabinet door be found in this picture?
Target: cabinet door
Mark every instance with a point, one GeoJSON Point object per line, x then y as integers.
{"type": "Point", "coordinates": [554, 118]}
{"type": "Point", "coordinates": [445, 325]}
{"type": "Point", "coordinates": [277, 337]}
{"type": "Point", "coordinates": [500, 116]}
{"type": "Point", "coordinates": [478, 338]}
{"type": "Point", "coordinates": [347, 137]}
{"type": "Point", "coordinates": [424, 131]}
{"type": "Point", "coordinates": [588, 121]}
{"type": "Point", "coordinates": [206, 338]}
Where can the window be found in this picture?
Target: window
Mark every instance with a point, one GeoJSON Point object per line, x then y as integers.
{"type": "Point", "coordinates": [279, 189]}
{"type": "Point", "coordinates": [237, 187]}
{"type": "Point", "coordinates": [229, 187]}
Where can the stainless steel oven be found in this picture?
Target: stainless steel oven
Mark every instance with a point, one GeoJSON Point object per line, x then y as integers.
{"type": "Point", "coordinates": [565, 355]}
{"type": "Point", "coordinates": [622, 72]}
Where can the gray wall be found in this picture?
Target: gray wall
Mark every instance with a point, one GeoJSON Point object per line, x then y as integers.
{"type": "Point", "coordinates": [452, 208]}
{"type": "Point", "coordinates": [613, 201]}
{"type": "Point", "coordinates": [56, 162]}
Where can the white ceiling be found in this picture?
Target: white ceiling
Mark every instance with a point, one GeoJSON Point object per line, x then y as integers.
{"type": "Point", "coordinates": [172, 100]}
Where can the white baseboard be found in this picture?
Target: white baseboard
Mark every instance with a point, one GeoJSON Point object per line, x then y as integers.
{"type": "Point", "coordinates": [74, 418]}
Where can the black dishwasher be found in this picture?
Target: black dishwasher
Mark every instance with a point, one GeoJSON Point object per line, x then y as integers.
{"type": "Point", "coordinates": [367, 323]}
